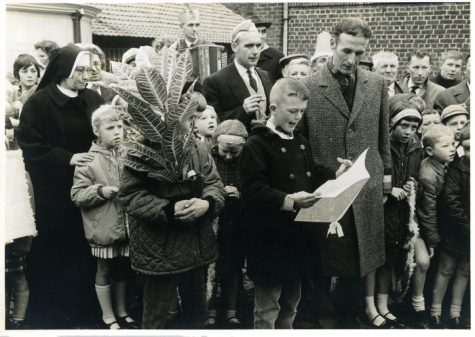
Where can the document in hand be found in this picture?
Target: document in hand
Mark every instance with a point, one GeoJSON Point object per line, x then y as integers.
{"type": "Point", "coordinates": [336, 196]}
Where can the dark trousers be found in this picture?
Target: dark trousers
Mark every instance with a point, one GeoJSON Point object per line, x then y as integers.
{"type": "Point", "coordinates": [159, 290]}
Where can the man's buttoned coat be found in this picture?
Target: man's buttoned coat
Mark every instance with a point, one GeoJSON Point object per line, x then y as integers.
{"type": "Point", "coordinates": [226, 91]}
{"type": "Point", "coordinates": [333, 131]}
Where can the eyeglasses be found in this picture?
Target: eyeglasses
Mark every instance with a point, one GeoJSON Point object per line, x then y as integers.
{"type": "Point", "coordinates": [97, 64]}
{"type": "Point", "coordinates": [82, 70]}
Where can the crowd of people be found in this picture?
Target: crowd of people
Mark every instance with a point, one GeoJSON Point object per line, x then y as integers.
{"type": "Point", "coordinates": [211, 182]}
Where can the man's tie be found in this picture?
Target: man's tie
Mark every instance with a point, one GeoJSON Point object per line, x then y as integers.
{"type": "Point", "coordinates": [252, 81]}
{"type": "Point", "coordinates": [414, 88]}
{"type": "Point", "coordinates": [290, 134]}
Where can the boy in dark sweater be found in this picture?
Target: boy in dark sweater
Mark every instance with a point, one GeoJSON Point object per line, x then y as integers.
{"type": "Point", "coordinates": [279, 176]}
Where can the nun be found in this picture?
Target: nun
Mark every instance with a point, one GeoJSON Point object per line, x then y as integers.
{"type": "Point", "coordinates": [55, 134]}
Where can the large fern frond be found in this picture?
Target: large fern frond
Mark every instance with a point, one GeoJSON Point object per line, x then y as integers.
{"type": "Point", "coordinates": [146, 57]}
{"type": "Point", "coordinates": [152, 87]}
{"type": "Point", "coordinates": [146, 154]}
{"type": "Point", "coordinates": [165, 176]}
{"type": "Point", "coordinates": [182, 71]}
{"type": "Point", "coordinates": [147, 120]}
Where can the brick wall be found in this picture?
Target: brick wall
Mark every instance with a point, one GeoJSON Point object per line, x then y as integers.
{"type": "Point", "coordinates": [397, 27]}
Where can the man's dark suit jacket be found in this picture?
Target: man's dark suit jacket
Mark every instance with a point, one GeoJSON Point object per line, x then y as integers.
{"type": "Point", "coordinates": [458, 94]}
{"type": "Point", "coordinates": [226, 91]}
{"type": "Point", "coordinates": [269, 61]}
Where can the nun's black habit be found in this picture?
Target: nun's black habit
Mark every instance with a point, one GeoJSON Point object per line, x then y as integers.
{"type": "Point", "coordinates": [54, 127]}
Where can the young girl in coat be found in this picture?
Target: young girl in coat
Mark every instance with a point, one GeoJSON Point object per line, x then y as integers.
{"type": "Point", "coordinates": [95, 190]}
{"type": "Point", "coordinates": [229, 137]}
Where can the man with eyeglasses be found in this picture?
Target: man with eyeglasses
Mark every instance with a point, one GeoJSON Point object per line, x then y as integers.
{"type": "Point", "coordinates": [98, 79]}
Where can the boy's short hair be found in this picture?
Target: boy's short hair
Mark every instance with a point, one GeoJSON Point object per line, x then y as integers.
{"type": "Point", "coordinates": [288, 87]}
{"type": "Point", "coordinates": [104, 113]}
{"type": "Point", "coordinates": [429, 112]}
{"type": "Point", "coordinates": [465, 133]}
{"type": "Point", "coordinates": [451, 54]}
{"type": "Point", "coordinates": [232, 127]}
{"type": "Point", "coordinates": [433, 133]}
{"type": "Point", "coordinates": [24, 61]}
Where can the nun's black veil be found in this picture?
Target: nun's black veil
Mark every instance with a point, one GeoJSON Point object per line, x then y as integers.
{"type": "Point", "coordinates": [60, 65]}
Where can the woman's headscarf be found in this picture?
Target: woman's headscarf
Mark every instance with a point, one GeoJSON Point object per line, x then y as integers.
{"type": "Point", "coordinates": [61, 65]}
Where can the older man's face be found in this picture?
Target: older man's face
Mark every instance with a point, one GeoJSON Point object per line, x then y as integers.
{"type": "Point", "coordinates": [297, 71]}
{"type": "Point", "coordinates": [348, 51]}
{"type": "Point", "coordinates": [191, 29]}
{"type": "Point", "coordinates": [95, 74]}
{"type": "Point", "coordinates": [419, 69]}
{"type": "Point", "coordinates": [247, 49]}
{"type": "Point", "coordinates": [387, 67]}
{"type": "Point", "coordinates": [451, 69]}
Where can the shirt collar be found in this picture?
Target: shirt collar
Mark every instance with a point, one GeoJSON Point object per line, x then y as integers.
{"type": "Point", "coordinates": [336, 72]}
{"type": "Point", "coordinates": [188, 43]}
{"type": "Point", "coordinates": [468, 85]}
{"type": "Point", "coordinates": [391, 87]}
{"type": "Point", "coordinates": [243, 71]}
{"type": "Point", "coordinates": [265, 46]}
{"type": "Point", "coordinates": [282, 135]}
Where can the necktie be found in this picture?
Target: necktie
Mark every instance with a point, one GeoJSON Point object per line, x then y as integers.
{"type": "Point", "coordinates": [414, 88]}
{"type": "Point", "coordinates": [290, 134]}
{"type": "Point", "coordinates": [192, 45]}
{"type": "Point", "coordinates": [252, 81]}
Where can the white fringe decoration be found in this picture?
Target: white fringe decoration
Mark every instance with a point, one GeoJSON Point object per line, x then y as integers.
{"type": "Point", "coordinates": [19, 217]}
{"type": "Point", "coordinates": [414, 229]}
{"type": "Point", "coordinates": [210, 282]}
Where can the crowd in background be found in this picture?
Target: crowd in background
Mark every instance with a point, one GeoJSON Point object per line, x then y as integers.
{"type": "Point", "coordinates": [268, 130]}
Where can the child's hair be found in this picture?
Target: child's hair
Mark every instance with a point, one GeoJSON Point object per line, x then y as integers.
{"type": "Point", "coordinates": [24, 61]}
{"type": "Point", "coordinates": [433, 133]}
{"type": "Point", "coordinates": [465, 133]}
{"type": "Point", "coordinates": [231, 127]}
{"type": "Point", "coordinates": [104, 113]}
{"type": "Point", "coordinates": [404, 110]}
{"type": "Point", "coordinates": [429, 112]}
{"type": "Point", "coordinates": [288, 87]}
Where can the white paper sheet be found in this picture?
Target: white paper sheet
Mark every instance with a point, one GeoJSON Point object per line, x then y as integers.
{"type": "Point", "coordinates": [337, 196]}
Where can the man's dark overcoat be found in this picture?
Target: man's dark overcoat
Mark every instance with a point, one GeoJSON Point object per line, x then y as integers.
{"type": "Point", "coordinates": [226, 91]}
{"type": "Point", "coordinates": [458, 94]}
{"type": "Point", "coordinates": [333, 131]}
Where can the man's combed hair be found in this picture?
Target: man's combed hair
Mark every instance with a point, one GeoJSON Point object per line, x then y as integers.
{"type": "Point", "coordinates": [352, 26]}
{"type": "Point", "coordinates": [451, 54]}
{"type": "Point", "coordinates": [383, 55]}
{"type": "Point", "coordinates": [433, 133]}
{"type": "Point", "coordinates": [419, 53]}
{"type": "Point", "coordinates": [465, 133]}
{"type": "Point", "coordinates": [94, 50]}
{"type": "Point", "coordinates": [24, 61]}
{"type": "Point", "coordinates": [288, 87]}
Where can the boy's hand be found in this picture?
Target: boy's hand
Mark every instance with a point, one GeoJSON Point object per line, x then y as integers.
{"type": "Point", "coordinates": [189, 210]}
{"type": "Point", "coordinates": [398, 193]}
{"type": "Point", "coordinates": [303, 199]}
{"type": "Point", "coordinates": [110, 191]}
{"type": "Point", "coordinates": [251, 104]}
{"type": "Point", "coordinates": [345, 165]}
{"type": "Point", "coordinates": [81, 159]}
{"type": "Point", "coordinates": [407, 186]}
{"type": "Point", "coordinates": [231, 191]}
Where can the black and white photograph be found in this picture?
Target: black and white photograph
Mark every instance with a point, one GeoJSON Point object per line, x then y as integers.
{"type": "Point", "coordinates": [207, 169]}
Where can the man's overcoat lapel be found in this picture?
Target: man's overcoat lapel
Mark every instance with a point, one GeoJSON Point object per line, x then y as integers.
{"type": "Point", "coordinates": [360, 95]}
{"type": "Point", "coordinates": [332, 92]}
